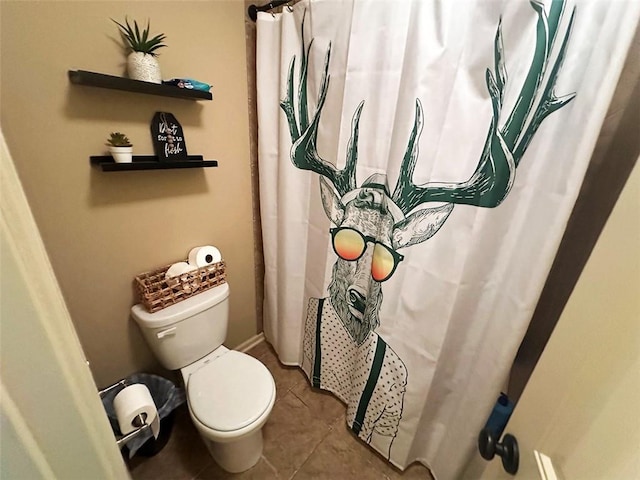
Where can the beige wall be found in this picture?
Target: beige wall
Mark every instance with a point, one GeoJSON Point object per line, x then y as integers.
{"type": "Point", "coordinates": [581, 405]}
{"type": "Point", "coordinates": [618, 145]}
{"type": "Point", "coordinates": [101, 229]}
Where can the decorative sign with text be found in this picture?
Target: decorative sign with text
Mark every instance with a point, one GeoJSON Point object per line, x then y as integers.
{"type": "Point", "coordinates": [167, 137]}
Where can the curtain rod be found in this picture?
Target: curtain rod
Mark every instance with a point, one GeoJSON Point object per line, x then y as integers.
{"type": "Point", "coordinates": [254, 9]}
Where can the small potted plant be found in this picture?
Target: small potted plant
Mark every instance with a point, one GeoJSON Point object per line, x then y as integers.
{"type": "Point", "coordinates": [120, 147]}
{"type": "Point", "coordinates": [142, 63]}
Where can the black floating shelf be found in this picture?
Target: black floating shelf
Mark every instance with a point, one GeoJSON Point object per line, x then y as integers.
{"type": "Point", "coordinates": [149, 162]}
{"type": "Point", "coordinates": [92, 79]}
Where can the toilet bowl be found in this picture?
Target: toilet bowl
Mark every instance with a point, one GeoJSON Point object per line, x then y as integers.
{"type": "Point", "coordinates": [230, 396]}
{"type": "Point", "coordinates": [229, 393]}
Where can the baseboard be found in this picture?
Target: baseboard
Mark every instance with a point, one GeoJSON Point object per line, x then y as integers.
{"type": "Point", "coordinates": [250, 343]}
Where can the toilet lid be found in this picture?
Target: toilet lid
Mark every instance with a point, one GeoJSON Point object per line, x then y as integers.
{"type": "Point", "coordinates": [230, 392]}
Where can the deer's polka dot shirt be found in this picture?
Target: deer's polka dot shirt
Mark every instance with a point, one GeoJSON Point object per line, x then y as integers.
{"type": "Point", "coordinates": [346, 368]}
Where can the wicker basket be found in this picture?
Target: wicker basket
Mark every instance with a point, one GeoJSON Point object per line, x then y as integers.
{"type": "Point", "coordinates": [157, 293]}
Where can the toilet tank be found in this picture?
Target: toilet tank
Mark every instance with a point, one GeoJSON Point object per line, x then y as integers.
{"type": "Point", "coordinates": [187, 331]}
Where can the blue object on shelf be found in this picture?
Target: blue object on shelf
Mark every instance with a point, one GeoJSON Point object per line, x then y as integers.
{"type": "Point", "coordinates": [500, 415]}
{"type": "Point", "coordinates": [188, 83]}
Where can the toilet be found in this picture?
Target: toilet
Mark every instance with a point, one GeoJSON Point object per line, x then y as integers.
{"type": "Point", "coordinates": [230, 394]}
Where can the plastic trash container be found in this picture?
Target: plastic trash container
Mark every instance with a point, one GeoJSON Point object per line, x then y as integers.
{"type": "Point", "coordinates": [167, 397]}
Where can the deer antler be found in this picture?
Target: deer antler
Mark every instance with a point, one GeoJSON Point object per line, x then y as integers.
{"type": "Point", "coordinates": [304, 152]}
{"type": "Point", "coordinates": [504, 147]}
{"type": "Point", "coordinates": [491, 182]}
{"type": "Point", "coordinates": [546, 31]}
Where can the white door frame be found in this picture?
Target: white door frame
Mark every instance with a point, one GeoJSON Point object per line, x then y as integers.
{"type": "Point", "coordinates": [53, 422]}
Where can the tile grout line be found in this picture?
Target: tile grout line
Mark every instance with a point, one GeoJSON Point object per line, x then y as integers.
{"type": "Point", "coordinates": [195, 477]}
{"type": "Point", "coordinates": [312, 452]}
{"type": "Point", "coordinates": [330, 430]}
{"type": "Point", "coordinates": [266, 460]}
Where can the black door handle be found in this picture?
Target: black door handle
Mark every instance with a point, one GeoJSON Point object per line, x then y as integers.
{"type": "Point", "coordinates": [508, 449]}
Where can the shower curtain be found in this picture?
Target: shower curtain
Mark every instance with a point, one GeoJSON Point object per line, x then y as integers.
{"type": "Point", "coordinates": [418, 162]}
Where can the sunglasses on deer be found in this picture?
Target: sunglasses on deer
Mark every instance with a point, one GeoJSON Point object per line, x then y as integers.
{"type": "Point", "coordinates": [349, 244]}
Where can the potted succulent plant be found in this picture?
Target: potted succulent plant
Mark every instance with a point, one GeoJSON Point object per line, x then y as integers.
{"type": "Point", "coordinates": [142, 63]}
{"type": "Point", "coordinates": [120, 147]}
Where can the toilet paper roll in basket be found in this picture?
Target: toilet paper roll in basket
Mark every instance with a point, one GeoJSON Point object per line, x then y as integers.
{"type": "Point", "coordinates": [203, 256]}
{"type": "Point", "coordinates": [132, 401]}
{"type": "Point", "coordinates": [176, 276]}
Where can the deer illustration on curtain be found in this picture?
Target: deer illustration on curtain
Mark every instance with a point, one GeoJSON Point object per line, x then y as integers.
{"type": "Point", "coordinates": [342, 352]}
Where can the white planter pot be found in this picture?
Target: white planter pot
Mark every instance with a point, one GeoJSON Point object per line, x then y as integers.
{"type": "Point", "coordinates": [145, 67]}
{"type": "Point", "coordinates": [122, 154]}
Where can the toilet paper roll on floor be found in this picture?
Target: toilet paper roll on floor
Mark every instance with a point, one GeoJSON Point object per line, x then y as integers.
{"type": "Point", "coordinates": [204, 256]}
{"type": "Point", "coordinates": [132, 401]}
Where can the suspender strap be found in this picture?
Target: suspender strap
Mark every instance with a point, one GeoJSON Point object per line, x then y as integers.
{"type": "Point", "coordinates": [317, 363]}
{"type": "Point", "coordinates": [376, 367]}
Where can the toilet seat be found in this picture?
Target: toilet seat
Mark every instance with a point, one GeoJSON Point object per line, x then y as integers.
{"type": "Point", "coordinates": [230, 392]}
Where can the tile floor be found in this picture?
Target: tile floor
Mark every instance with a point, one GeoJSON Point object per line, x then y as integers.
{"type": "Point", "coordinates": [305, 438]}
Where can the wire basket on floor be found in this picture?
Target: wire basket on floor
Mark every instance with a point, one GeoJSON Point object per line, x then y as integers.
{"type": "Point", "coordinates": [157, 292]}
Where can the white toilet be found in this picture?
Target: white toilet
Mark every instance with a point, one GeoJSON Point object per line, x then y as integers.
{"type": "Point", "coordinates": [230, 394]}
